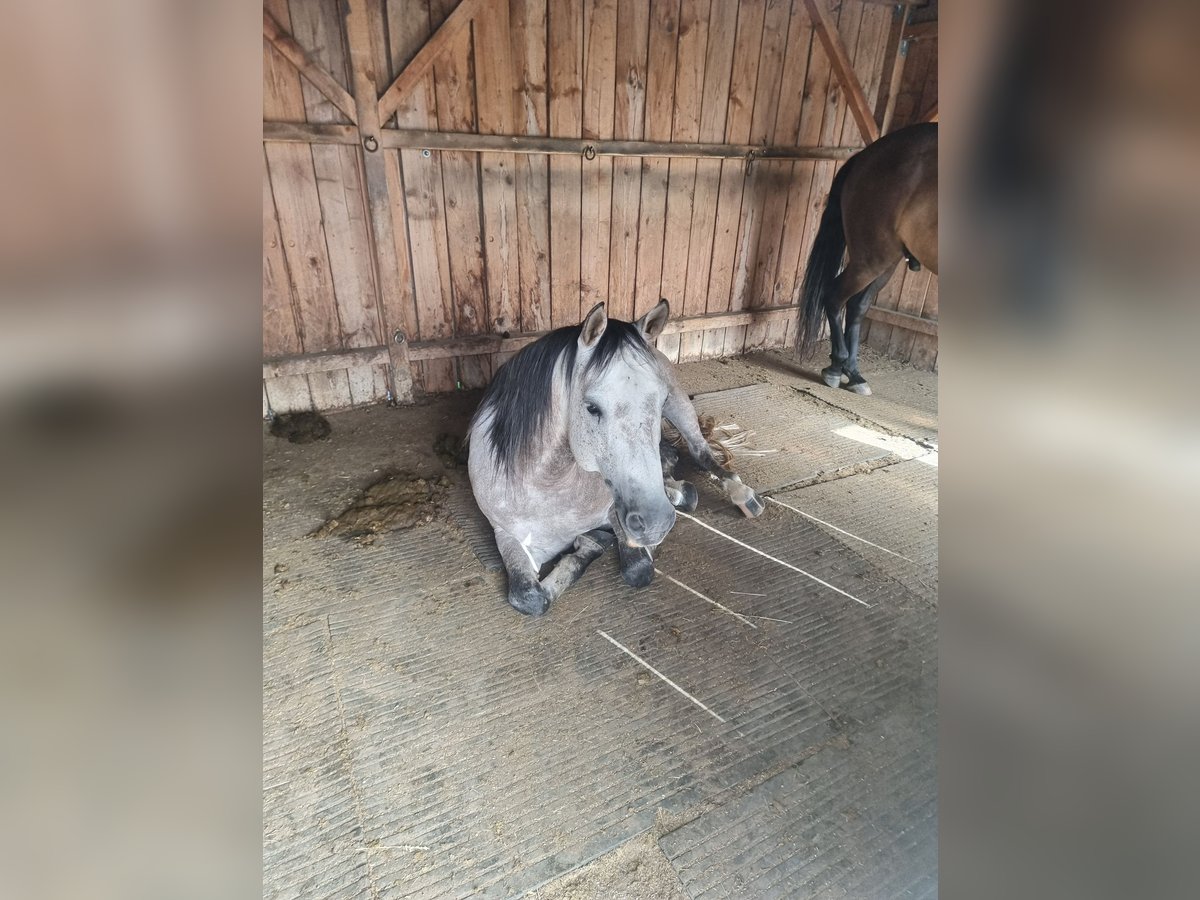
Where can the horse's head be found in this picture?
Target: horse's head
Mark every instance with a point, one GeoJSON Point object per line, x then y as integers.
{"type": "Point", "coordinates": [615, 418]}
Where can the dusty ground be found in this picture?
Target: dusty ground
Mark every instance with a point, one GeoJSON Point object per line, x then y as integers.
{"type": "Point", "coordinates": [422, 740]}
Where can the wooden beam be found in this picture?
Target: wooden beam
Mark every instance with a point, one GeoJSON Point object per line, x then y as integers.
{"type": "Point", "coordinates": [315, 363]}
{"type": "Point", "coordinates": [299, 57]}
{"type": "Point", "coordinates": [448, 348]}
{"type": "Point", "coordinates": [843, 69]}
{"type": "Point", "coordinates": [499, 143]}
{"type": "Point", "coordinates": [393, 139]}
{"type": "Point", "coordinates": [309, 133]}
{"type": "Point", "coordinates": [490, 343]}
{"type": "Point", "coordinates": [903, 320]}
{"type": "Point", "coordinates": [931, 114]}
{"type": "Point", "coordinates": [361, 22]}
{"type": "Point", "coordinates": [420, 65]}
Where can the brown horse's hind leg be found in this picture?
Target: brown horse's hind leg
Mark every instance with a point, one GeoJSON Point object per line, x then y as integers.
{"type": "Point", "coordinates": [854, 280]}
{"type": "Point", "coordinates": [855, 310]}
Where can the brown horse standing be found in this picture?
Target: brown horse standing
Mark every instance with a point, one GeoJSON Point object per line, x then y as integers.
{"type": "Point", "coordinates": [882, 208]}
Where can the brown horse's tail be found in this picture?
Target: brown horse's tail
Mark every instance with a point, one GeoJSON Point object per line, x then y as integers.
{"type": "Point", "coordinates": [823, 264]}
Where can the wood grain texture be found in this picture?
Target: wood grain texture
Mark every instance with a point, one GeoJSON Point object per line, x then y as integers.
{"type": "Point", "coordinates": [419, 64]}
{"type": "Point", "coordinates": [390, 263]}
{"type": "Point", "coordinates": [527, 25]}
{"type": "Point", "coordinates": [294, 187]}
{"type": "Point", "coordinates": [288, 394]}
{"type": "Point", "coordinates": [778, 175]}
{"type": "Point", "coordinates": [599, 98]}
{"type": "Point", "coordinates": [843, 68]}
{"type": "Point", "coordinates": [422, 198]}
{"type": "Point", "coordinates": [454, 84]}
{"type": "Point", "coordinates": [629, 115]}
{"type": "Point", "coordinates": [767, 96]}
{"type": "Point", "coordinates": [924, 354]}
{"type": "Point", "coordinates": [663, 46]}
{"type": "Point", "coordinates": [691, 53]}
{"type": "Point", "coordinates": [340, 187]}
{"type": "Point", "coordinates": [494, 89]}
{"type": "Point", "coordinates": [281, 335]}
{"type": "Point", "coordinates": [718, 71]}
{"type": "Point", "coordinates": [795, 242]}
{"type": "Point", "coordinates": [315, 73]}
{"type": "Point", "coordinates": [742, 87]}
{"type": "Point", "coordinates": [565, 68]}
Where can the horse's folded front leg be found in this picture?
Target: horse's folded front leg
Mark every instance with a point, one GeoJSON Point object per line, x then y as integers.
{"type": "Point", "coordinates": [637, 563]}
{"type": "Point", "coordinates": [532, 596]}
{"type": "Point", "coordinates": [681, 494]}
{"type": "Point", "coordinates": [679, 411]}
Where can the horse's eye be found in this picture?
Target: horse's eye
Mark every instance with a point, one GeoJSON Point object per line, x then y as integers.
{"type": "Point", "coordinates": [592, 409]}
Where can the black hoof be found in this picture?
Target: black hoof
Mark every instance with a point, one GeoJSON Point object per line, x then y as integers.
{"type": "Point", "coordinates": [638, 572]}
{"type": "Point", "coordinates": [594, 543]}
{"type": "Point", "coordinates": [691, 497]}
{"type": "Point", "coordinates": [530, 601]}
{"type": "Point", "coordinates": [859, 385]}
{"type": "Point", "coordinates": [832, 376]}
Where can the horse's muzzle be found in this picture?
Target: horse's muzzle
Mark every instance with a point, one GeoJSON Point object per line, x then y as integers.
{"type": "Point", "coordinates": [644, 531]}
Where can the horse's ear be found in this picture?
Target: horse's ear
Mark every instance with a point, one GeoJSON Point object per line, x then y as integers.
{"type": "Point", "coordinates": [593, 326]}
{"type": "Point", "coordinates": [653, 322]}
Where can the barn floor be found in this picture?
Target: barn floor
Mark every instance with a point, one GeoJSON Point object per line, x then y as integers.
{"type": "Point", "coordinates": [753, 724]}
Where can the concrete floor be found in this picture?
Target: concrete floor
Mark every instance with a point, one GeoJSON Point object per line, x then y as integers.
{"type": "Point", "coordinates": [421, 739]}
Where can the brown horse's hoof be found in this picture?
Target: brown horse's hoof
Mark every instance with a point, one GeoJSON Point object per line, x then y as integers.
{"type": "Point", "coordinates": [832, 378]}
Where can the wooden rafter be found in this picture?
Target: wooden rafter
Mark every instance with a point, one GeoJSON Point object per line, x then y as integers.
{"type": "Point", "coordinates": [398, 139]}
{"type": "Point", "coordinates": [307, 66]}
{"type": "Point", "coordinates": [844, 69]}
{"type": "Point", "coordinates": [419, 66]}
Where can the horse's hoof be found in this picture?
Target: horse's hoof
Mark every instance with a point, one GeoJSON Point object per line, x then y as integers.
{"type": "Point", "coordinates": [859, 387]}
{"type": "Point", "coordinates": [639, 572]}
{"type": "Point", "coordinates": [832, 377]}
{"type": "Point", "coordinates": [751, 506]}
{"type": "Point", "coordinates": [593, 543]}
{"type": "Point", "coordinates": [532, 601]}
{"type": "Point", "coordinates": [690, 498]}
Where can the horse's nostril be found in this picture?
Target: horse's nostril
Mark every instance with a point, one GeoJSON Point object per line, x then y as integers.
{"type": "Point", "coordinates": [635, 524]}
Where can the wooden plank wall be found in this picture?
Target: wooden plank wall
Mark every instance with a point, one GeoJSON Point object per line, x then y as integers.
{"type": "Point", "coordinates": [318, 284]}
{"type": "Point", "coordinates": [492, 243]}
{"type": "Point", "coordinates": [914, 293]}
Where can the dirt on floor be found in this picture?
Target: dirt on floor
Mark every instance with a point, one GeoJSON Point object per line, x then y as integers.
{"type": "Point", "coordinates": [393, 503]}
{"type": "Point", "coordinates": [637, 870]}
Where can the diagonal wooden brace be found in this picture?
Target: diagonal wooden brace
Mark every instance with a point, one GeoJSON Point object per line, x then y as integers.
{"type": "Point", "coordinates": [419, 66]}
{"type": "Point", "coordinates": [307, 66]}
{"type": "Point", "coordinates": [843, 68]}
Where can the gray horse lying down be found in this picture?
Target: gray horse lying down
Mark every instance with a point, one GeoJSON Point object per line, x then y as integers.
{"type": "Point", "coordinates": [565, 458]}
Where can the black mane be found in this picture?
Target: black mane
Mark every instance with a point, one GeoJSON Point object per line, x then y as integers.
{"type": "Point", "coordinates": [519, 396]}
